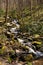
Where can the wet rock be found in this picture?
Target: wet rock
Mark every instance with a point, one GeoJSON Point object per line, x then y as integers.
{"type": "Point", "coordinates": [9, 24]}
{"type": "Point", "coordinates": [8, 32]}
{"type": "Point", "coordinates": [13, 30]}
{"type": "Point", "coordinates": [1, 30]}
{"type": "Point", "coordinates": [18, 26]}
{"type": "Point", "coordinates": [2, 22]}
{"type": "Point", "coordinates": [14, 21]}
{"type": "Point", "coordinates": [26, 57]}
{"type": "Point", "coordinates": [41, 49]}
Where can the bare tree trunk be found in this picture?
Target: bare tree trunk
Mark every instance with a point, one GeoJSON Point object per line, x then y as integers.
{"type": "Point", "coordinates": [31, 9]}
{"type": "Point", "coordinates": [36, 4]}
{"type": "Point", "coordinates": [14, 5]}
{"type": "Point", "coordinates": [38, 10]}
{"type": "Point", "coordinates": [0, 4]}
{"type": "Point", "coordinates": [6, 11]}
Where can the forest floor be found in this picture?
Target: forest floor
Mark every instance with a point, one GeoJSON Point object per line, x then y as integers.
{"type": "Point", "coordinates": [35, 62]}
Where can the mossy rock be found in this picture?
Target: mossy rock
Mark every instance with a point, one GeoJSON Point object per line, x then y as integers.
{"type": "Point", "coordinates": [36, 35]}
{"type": "Point", "coordinates": [29, 63]}
{"type": "Point", "coordinates": [3, 50]}
{"type": "Point", "coordinates": [9, 59]}
{"type": "Point", "coordinates": [3, 38]}
{"type": "Point", "coordinates": [2, 22]}
{"type": "Point", "coordinates": [28, 57]}
{"type": "Point", "coordinates": [37, 42]}
{"type": "Point", "coordinates": [1, 29]}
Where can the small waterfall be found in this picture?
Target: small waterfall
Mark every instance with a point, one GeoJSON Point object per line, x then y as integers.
{"type": "Point", "coordinates": [15, 29]}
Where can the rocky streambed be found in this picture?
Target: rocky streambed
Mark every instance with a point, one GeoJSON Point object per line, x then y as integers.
{"type": "Point", "coordinates": [19, 48]}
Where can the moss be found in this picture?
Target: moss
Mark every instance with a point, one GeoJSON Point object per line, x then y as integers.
{"type": "Point", "coordinates": [9, 60]}
{"type": "Point", "coordinates": [37, 42]}
{"type": "Point", "coordinates": [36, 35]}
{"type": "Point", "coordinates": [28, 57]}
{"type": "Point", "coordinates": [29, 63]}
